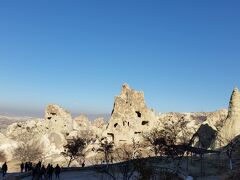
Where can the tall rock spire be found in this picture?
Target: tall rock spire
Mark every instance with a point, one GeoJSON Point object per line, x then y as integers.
{"type": "Point", "coordinates": [234, 104]}
{"type": "Point", "coordinates": [231, 128]}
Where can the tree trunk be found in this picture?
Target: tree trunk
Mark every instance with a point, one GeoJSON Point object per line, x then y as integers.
{"type": "Point", "coordinates": [69, 162]}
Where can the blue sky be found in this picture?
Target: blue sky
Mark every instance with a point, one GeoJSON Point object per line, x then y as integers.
{"type": "Point", "coordinates": [185, 55]}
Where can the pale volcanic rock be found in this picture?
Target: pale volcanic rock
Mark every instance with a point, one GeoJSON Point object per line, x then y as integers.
{"type": "Point", "coordinates": [59, 120]}
{"type": "Point", "coordinates": [231, 127]}
{"type": "Point", "coordinates": [130, 117]}
{"type": "Point", "coordinates": [52, 143]}
{"type": "Point", "coordinates": [49, 133]}
{"type": "Point", "coordinates": [57, 139]}
{"type": "Point", "coordinates": [88, 129]}
{"type": "Point", "coordinates": [190, 123]}
{"type": "Point", "coordinates": [7, 146]}
{"type": "Point", "coordinates": [99, 126]}
{"type": "Point", "coordinates": [217, 119]}
{"type": "Point", "coordinates": [99, 123]}
{"type": "Point", "coordinates": [82, 121]}
{"type": "Point", "coordinates": [56, 120]}
{"type": "Point", "coordinates": [37, 127]}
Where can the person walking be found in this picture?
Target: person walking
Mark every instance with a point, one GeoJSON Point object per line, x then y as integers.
{"type": "Point", "coordinates": [50, 170]}
{"type": "Point", "coordinates": [57, 171]}
{"type": "Point", "coordinates": [26, 166]}
{"type": "Point", "coordinates": [83, 163]}
{"type": "Point", "coordinates": [22, 167]}
{"type": "Point", "coordinates": [4, 169]}
{"type": "Point", "coordinates": [43, 172]}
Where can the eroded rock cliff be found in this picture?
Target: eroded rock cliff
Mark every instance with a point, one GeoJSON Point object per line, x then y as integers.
{"type": "Point", "coordinates": [231, 126]}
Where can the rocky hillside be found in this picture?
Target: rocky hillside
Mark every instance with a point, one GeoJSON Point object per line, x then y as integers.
{"type": "Point", "coordinates": [6, 120]}
{"type": "Point", "coordinates": [130, 120]}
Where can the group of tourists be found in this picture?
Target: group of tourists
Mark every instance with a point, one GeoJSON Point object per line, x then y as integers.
{"type": "Point", "coordinates": [40, 172]}
{"type": "Point", "coordinates": [26, 167]}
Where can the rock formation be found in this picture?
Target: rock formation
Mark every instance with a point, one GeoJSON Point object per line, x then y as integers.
{"type": "Point", "coordinates": [231, 127]}
{"type": "Point", "coordinates": [37, 127]}
{"type": "Point", "coordinates": [59, 120]}
{"type": "Point", "coordinates": [48, 134]}
{"type": "Point", "coordinates": [7, 147]}
{"type": "Point", "coordinates": [56, 120]}
{"type": "Point", "coordinates": [82, 121]}
{"type": "Point", "coordinates": [217, 119]}
{"type": "Point", "coordinates": [130, 117]}
{"type": "Point", "coordinates": [90, 130]}
{"type": "Point", "coordinates": [129, 120]}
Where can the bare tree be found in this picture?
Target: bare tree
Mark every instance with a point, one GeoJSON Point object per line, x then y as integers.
{"type": "Point", "coordinates": [74, 149]}
{"type": "Point", "coordinates": [152, 138]}
{"type": "Point", "coordinates": [28, 148]}
{"type": "Point", "coordinates": [230, 148]}
{"type": "Point", "coordinates": [171, 140]}
{"type": "Point", "coordinates": [107, 149]}
{"type": "Point", "coordinates": [28, 152]}
{"type": "Point", "coordinates": [125, 154]}
{"type": "Point", "coordinates": [87, 135]}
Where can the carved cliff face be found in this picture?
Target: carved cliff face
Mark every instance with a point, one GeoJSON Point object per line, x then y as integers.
{"type": "Point", "coordinates": [130, 104]}
{"type": "Point", "coordinates": [130, 117]}
{"type": "Point", "coordinates": [58, 119]}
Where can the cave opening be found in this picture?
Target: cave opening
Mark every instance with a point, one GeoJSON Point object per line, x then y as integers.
{"type": "Point", "coordinates": [139, 114]}
{"type": "Point", "coordinates": [145, 123]}
{"type": "Point", "coordinates": [137, 132]}
{"type": "Point", "coordinates": [111, 136]}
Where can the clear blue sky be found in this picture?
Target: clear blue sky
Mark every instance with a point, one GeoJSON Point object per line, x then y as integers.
{"type": "Point", "coordinates": [185, 55]}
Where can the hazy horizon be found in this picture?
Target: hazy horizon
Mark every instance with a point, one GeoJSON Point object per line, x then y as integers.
{"type": "Point", "coordinates": [9, 112]}
{"type": "Point", "coordinates": [184, 56]}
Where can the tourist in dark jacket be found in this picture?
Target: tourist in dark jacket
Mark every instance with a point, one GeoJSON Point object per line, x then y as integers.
{"type": "Point", "coordinates": [26, 166]}
{"type": "Point", "coordinates": [43, 172]}
{"type": "Point", "coordinates": [4, 169]}
{"type": "Point", "coordinates": [22, 167]}
{"type": "Point", "coordinates": [50, 170]}
{"type": "Point", "coordinates": [57, 171]}
{"type": "Point", "coordinates": [83, 164]}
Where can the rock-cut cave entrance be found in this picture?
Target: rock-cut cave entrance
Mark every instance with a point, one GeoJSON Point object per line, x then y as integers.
{"type": "Point", "coordinates": [139, 114]}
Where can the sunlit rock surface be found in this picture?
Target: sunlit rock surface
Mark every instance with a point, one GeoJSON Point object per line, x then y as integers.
{"type": "Point", "coordinates": [130, 119]}
{"type": "Point", "coordinates": [231, 126]}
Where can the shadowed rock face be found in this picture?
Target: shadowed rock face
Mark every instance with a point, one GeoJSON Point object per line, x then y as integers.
{"type": "Point", "coordinates": [206, 135]}
{"type": "Point", "coordinates": [231, 127]}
